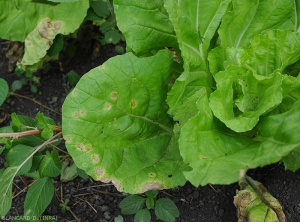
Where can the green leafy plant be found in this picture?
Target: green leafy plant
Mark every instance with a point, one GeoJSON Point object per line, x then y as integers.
{"type": "Point", "coordinates": [27, 78]}
{"type": "Point", "coordinates": [31, 152]}
{"type": "Point", "coordinates": [233, 107]}
{"type": "Point", "coordinates": [164, 208]}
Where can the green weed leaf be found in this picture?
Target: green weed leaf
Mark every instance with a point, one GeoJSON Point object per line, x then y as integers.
{"type": "Point", "coordinates": [3, 90]}
{"type": "Point", "coordinates": [38, 197]}
{"type": "Point", "coordinates": [131, 204]}
{"type": "Point", "coordinates": [6, 181]}
{"type": "Point", "coordinates": [68, 172]}
{"type": "Point", "coordinates": [152, 193]}
{"type": "Point", "coordinates": [17, 155]}
{"type": "Point", "coordinates": [73, 77]}
{"type": "Point", "coordinates": [127, 132]}
{"type": "Point", "coordinates": [166, 210]}
{"type": "Point", "coordinates": [50, 165]}
{"type": "Point", "coordinates": [142, 216]}
{"type": "Point", "coordinates": [150, 203]}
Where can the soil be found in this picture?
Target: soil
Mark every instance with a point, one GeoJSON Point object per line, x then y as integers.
{"type": "Point", "coordinates": [94, 201]}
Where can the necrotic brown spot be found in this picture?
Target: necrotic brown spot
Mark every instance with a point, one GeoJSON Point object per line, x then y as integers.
{"type": "Point", "coordinates": [99, 172]}
{"type": "Point", "coordinates": [43, 32]}
{"type": "Point", "coordinates": [114, 95]}
{"type": "Point", "coordinates": [87, 148]}
{"type": "Point", "coordinates": [68, 138]}
{"type": "Point", "coordinates": [74, 92]}
{"type": "Point", "coordinates": [152, 174]}
{"type": "Point", "coordinates": [95, 158]}
{"type": "Point", "coordinates": [75, 115]}
{"type": "Point", "coordinates": [47, 23]}
{"type": "Point", "coordinates": [57, 25]}
{"type": "Point", "coordinates": [107, 106]}
{"type": "Point", "coordinates": [80, 146]}
{"type": "Point", "coordinates": [133, 104]}
{"type": "Point", "coordinates": [82, 112]}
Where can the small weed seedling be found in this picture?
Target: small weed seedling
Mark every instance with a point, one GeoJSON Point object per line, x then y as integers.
{"type": "Point", "coordinates": [164, 208]}
{"type": "Point", "coordinates": [64, 206]}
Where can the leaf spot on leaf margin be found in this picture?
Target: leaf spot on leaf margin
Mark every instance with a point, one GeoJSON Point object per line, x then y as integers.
{"type": "Point", "coordinates": [99, 172]}
{"type": "Point", "coordinates": [75, 93]}
{"type": "Point", "coordinates": [68, 138]}
{"type": "Point", "coordinates": [152, 186]}
{"type": "Point", "coordinates": [57, 25]}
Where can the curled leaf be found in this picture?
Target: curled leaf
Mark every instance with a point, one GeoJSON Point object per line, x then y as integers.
{"type": "Point", "coordinates": [255, 203]}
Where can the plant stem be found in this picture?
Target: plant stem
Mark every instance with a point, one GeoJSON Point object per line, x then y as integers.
{"type": "Point", "coordinates": [25, 133]}
{"type": "Point", "coordinates": [51, 140]}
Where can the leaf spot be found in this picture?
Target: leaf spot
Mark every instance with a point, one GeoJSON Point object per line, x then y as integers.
{"type": "Point", "coordinates": [82, 112]}
{"type": "Point", "coordinates": [75, 93]}
{"type": "Point", "coordinates": [87, 148]}
{"type": "Point", "coordinates": [75, 115]}
{"type": "Point", "coordinates": [152, 186]}
{"type": "Point", "coordinates": [57, 25]}
{"type": "Point", "coordinates": [43, 32]}
{"type": "Point", "coordinates": [99, 172]}
{"type": "Point", "coordinates": [101, 66]}
{"type": "Point", "coordinates": [134, 80]}
{"type": "Point", "coordinates": [133, 104]}
{"type": "Point", "coordinates": [114, 96]}
{"type": "Point", "coordinates": [80, 146]}
{"type": "Point", "coordinates": [68, 138]}
{"type": "Point", "coordinates": [47, 23]}
{"type": "Point", "coordinates": [152, 175]}
{"type": "Point", "coordinates": [95, 158]}
{"type": "Point", "coordinates": [107, 106]}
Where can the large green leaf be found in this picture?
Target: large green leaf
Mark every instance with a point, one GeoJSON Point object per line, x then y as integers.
{"type": "Point", "coordinates": [38, 197]}
{"type": "Point", "coordinates": [251, 17]}
{"type": "Point", "coordinates": [37, 23]}
{"type": "Point", "coordinates": [195, 24]}
{"type": "Point", "coordinates": [145, 25]}
{"type": "Point", "coordinates": [217, 154]}
{"type": "Point", "coordinates": [116, 126]}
